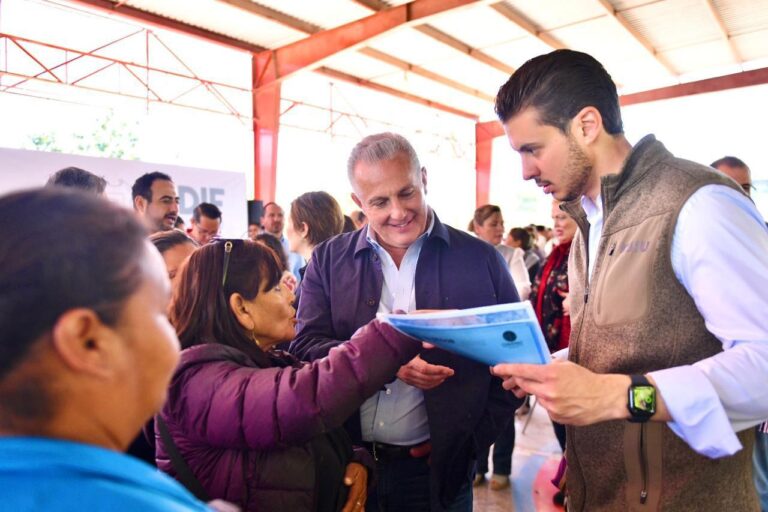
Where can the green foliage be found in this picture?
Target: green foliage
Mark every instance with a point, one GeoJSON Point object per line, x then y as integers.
{"type": "Point", "coordinates": [111, 138]}
{"type": "Point", "coordinates": [45, 142]}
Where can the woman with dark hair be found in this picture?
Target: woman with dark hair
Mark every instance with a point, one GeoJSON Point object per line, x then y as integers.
{"type": "Point", "coordinates": [175, 247]}
{"type": "Point", "coordinates": [488, 224]}
{"type": "Point", "coordinates": [519, 238]}
{"type": "Point", "coordinates": [253, 425]}
{"type": "Point", "coordinates": [86, 355]}
{"type": "Point", "coordinates": [314, 217]}
{"type": "Point", "coordinates": [288, 280]}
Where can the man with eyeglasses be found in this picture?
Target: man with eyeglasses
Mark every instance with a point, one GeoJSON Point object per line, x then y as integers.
{"type": "Point", "coordinates": [735, 169]}
{"type": "Point", "coordinates": [206, 223]}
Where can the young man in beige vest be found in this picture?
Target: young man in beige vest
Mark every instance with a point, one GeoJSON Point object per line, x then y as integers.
{"type": "Point", "coordinates": [668, 360]}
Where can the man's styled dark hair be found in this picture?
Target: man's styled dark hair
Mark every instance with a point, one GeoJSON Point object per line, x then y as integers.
{"type": "Point", "coordinates": [143, 185]}
{"type": "Point", "coordinates": [730, 161]}
{"type": "Point", "coordinates": [558, 85]}
{"type": "Point", "coordinates": [90, 257]}
{"type": "Point", "coordinates": [74, 177]}
{"type": "Point", "coordinates": [206, 209]}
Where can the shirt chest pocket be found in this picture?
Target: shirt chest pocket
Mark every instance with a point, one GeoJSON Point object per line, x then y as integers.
{"type": "Point", "coordinates": [623, 292]}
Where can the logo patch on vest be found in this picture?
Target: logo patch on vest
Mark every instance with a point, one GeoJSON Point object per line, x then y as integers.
{"type": "Point", "coordinates": [634, 246]}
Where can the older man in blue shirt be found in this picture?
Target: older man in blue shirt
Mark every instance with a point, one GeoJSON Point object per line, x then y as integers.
{"type": "Point", "coordinates": [425, 427]}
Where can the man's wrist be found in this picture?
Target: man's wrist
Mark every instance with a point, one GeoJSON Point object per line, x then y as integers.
{"type": "Point", "coordinates": [616, 386]}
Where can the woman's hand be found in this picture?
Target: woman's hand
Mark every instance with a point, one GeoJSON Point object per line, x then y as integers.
{"type": "Point", "coordinates": [356, 478]}
{"type": "Point", "coordinates": [289, 281]}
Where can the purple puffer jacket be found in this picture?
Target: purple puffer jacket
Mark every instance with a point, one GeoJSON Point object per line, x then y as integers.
{"type": "Point", "coordinates": [241, 422]}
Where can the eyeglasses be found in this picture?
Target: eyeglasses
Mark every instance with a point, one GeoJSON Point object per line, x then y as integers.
{"type": "Point", "coordinates": [748, 187]}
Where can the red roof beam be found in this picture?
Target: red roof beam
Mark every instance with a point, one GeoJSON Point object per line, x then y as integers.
{"type": "Point", "coordinates": [311, 51]}
{"type": "Point", "coordinates": [720, 83]}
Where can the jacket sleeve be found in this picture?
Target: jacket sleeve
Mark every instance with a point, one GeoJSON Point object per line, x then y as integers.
{"type": "Point", "coordinates": [314, 331]}
{"type": "Point", "coordinates": [225, 405]}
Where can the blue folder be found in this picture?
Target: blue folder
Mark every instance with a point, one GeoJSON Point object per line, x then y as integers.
{"type": "Point", "coordinates": [504, 333]}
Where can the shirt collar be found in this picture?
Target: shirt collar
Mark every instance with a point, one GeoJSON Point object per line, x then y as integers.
{"type": "Point", "coordinates": [593, 210]}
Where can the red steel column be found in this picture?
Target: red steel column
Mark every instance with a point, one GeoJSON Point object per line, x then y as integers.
{"type": "Point", "coordinates": [483, 158]}
{"type": "Point", "coordinates": [266, 126]}
{"type": "Point", "coordinates": [484, 135]}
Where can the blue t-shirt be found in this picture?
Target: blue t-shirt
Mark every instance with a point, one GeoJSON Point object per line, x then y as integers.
{"type": "Point", "coordinates": [48, 474]}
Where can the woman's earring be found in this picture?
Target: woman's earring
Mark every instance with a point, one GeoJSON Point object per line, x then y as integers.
{"type": "Point", "coordinates": [255, 340]}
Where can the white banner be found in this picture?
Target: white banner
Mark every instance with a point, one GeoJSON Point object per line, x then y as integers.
{"type": "Point", "coordinates": [20, 169]}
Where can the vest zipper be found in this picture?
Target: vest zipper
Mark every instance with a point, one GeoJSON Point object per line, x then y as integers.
{"type": "Point", "coordinates": [586, 294]}
{"type": "Point", "coordinates": [643, 466]}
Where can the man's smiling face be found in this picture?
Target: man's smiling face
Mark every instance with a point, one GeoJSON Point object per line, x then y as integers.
{"type": "Point", "coordinates": [391, 194]}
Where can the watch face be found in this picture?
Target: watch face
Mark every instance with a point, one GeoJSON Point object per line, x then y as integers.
{"type": "Point", "coordinates": [644, 399]}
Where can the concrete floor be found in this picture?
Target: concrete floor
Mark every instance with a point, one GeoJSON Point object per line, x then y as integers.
{"type": "Point", "coordinates": [536, 451]}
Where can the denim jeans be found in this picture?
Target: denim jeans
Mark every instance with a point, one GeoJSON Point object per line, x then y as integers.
{"type": "Point", "coordinates": [403, 486]}
{"type": "Point", "coordinates": [760, 459]}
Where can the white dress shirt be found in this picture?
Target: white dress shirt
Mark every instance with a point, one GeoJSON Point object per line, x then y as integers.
{"type": "Point", "coordinates": [720, 256]}
{"type": "Point", "coordinates": [515, 258]}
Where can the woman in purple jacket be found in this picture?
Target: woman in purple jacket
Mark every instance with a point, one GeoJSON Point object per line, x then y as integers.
{"type": "Point", "coordinates": [255, 426]}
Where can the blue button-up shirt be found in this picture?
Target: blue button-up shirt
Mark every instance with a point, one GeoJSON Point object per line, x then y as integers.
{"type": "Point", "coordinates": [397, 415]}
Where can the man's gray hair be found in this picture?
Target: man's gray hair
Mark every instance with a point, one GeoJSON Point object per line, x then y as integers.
{"type": "Point", "coordinates": [381, 147]}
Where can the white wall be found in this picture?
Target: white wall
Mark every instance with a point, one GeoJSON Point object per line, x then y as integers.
{"type": "Point", "coordinates": [21, 169]}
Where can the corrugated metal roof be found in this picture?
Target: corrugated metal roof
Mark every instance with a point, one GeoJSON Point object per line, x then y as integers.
{"type": "Point", "coordinates": [463, 25]}
{"type": "Point", "coordinates": [222, 18]}
{"type": "Point", "coordinates": [461, 57]}
{"type": "Point", "coordinates": [673, 23]}
{"type": "Point", "coordinates": [327, 13]}
{"type": "Point", "coordinates": [743, 16]}
{"type": "Point", "coordinates": [551, 15]}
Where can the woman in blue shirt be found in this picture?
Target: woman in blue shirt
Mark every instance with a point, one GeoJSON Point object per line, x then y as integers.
{"type": "Point", "coordinates": [86, 354]}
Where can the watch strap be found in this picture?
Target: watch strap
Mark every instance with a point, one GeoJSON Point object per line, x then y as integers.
{"type": "Point", "coordinates": [637, 415]}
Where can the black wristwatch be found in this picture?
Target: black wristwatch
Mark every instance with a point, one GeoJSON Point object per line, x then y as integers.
{"type": "Point", "coordinates": [641, 400]}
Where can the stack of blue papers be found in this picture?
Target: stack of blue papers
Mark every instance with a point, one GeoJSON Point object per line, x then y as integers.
{"type": "Point", "coordinates": [504, 333]}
